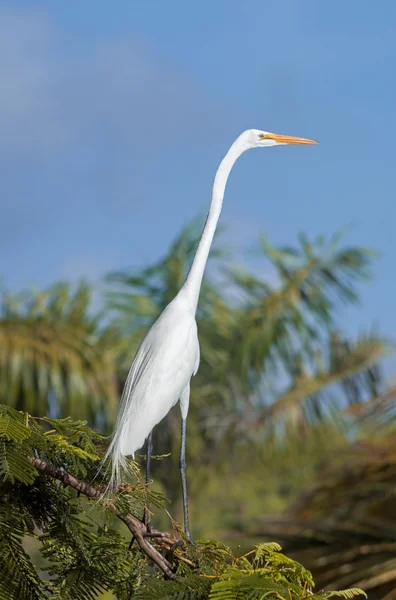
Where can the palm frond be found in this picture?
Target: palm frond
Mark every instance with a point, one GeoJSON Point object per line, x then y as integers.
{"type": "Point", "coordinates": [344, 528]}
{"type": "Point", "coordinates": [54, 355]}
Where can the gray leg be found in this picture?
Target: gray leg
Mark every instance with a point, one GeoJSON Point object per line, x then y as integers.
{"type": "Point", "coordinates": [146, 519]}
{"type": "Point", "coordinates": [183, 478]}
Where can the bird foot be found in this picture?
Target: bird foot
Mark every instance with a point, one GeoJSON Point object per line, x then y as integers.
{"type": "Point", "coordinates": [188, 535]}
{"type": "Point", "coordinates": [148, 529]}
{"type": "Point", "coordinates": [178, 544]}
{"type": "Point", "coordinates": [191, 541]}
{"type": "Point", "coordinates": [146, 521]}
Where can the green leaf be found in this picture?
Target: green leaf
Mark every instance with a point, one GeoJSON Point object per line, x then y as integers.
{"type": "Point", "coordinates": [13, 429]}
{"type": "Point", "coordinates": [351, 593]}
{"type": "Point", "coordinates": [14, 465]}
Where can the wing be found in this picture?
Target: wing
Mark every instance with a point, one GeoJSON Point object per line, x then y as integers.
{"type": "Point", "coordinates": [162, 367]}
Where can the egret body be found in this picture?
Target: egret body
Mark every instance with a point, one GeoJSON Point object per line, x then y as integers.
{"type": "Point", "coordinates": [168, 356]}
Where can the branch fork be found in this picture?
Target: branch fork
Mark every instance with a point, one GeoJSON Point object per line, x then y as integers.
{"type": "Point", "coordinates": [136, 527]}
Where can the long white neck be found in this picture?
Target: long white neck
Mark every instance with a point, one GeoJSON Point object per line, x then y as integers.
{"type": "Point", "coordinates": [192, 285]}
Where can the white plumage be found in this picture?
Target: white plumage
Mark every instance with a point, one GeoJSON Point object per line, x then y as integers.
{"type": "Point", "coordinates": [156, 381]}
{"type": "Point", "coordinates": [169, 354]}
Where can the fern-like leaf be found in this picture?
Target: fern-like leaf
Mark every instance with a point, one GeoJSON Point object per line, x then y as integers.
{"type": "Point", "coordinates": [13, 429]}
{"type": "Point", "coordinates": [14, 465]}
{"type": "Point", "coordinates": [351, 593]}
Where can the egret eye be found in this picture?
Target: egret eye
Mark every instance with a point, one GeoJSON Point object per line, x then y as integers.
{"type": "Point", "coordinates": [263, 136]}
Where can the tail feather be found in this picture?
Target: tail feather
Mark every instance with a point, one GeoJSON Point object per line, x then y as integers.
{"type": "Point", "coordinates": [123, 436]}
{"type": "Point", "coordinates": [115, 462]}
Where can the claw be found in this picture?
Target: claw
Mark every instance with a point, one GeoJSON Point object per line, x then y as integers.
{"type": "Point", "coordinates": [177, 544]}
{"type": "Point", "coordinates": [191, 541]}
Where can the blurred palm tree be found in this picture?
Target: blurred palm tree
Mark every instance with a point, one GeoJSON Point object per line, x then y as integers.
{"type": "Point", "coordinates": [270, 354]}
{"type": "Point", "coordinates": [276, 375]}
{"type": "Point", "coordinates": [287, 324]}
{"type": "Point", "coordinates": [344, 527]}
{"type": "Point", "coordinates": [286, 350]}
{"type": "Point", "coordinates": [136, 297]}
{"type": "Point", "coordinates": [56, 357]}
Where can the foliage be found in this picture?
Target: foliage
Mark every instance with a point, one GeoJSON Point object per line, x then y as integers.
{"type": "Point", "coordinates": [274, 395]}
{"type": "Point", "coordinates": [85, 555]}
{"type": "Point", "coordinates": [273, 348]}
{"type": "Point", "coordinates": [261, 573]}
{"type": "Point", "coordinates": [344, 527]}
{"type": "Point", "coordinates": [274, 368]}
{"type": "Point", "coordinates": [82, 554]}
{"type": "Point", "coordinates": [273, 362]}
{"type": "Point", "coordinates": [272, 575]}
{"type": "Point", "coordinates": [290, 328]}
{"type": "Point", "coordinates": [54, 355]}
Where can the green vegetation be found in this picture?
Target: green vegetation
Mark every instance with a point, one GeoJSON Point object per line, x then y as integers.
{"type": "Point", "coordinates": [84, 556]}
{"type": "Point", "coordinates": [344, 526]}
{"type": "Point", "coordinates": [281, 392]}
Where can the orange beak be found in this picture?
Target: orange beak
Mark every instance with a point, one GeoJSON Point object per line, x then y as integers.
{"type": "Point", "coordinates": [289, 139]}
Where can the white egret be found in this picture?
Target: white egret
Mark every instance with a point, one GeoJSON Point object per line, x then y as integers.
{"type": "Point", "coordinates": [168, 356]}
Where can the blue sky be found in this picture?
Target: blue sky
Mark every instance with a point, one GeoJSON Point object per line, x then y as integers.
{"type": "Point", "coordinates": [114, 116]}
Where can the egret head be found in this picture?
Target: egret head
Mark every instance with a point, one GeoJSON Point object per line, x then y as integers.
{"type": "Point", "coordinates": [255, 138]}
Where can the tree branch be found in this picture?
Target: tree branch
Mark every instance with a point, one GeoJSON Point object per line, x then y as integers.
{"type": "Point", "coordinates": [136, 527]}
